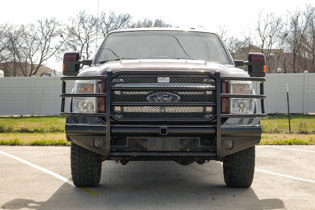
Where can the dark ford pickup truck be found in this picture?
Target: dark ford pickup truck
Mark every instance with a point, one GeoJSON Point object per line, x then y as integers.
{"type": "Point", "coordinates": [163, 94]}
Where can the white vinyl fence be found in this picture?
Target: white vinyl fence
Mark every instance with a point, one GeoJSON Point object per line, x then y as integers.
{"type": "Point", "coordinates": [301, 88]}
{"type": "Point", "coordinates": [40, 95]}
{"type": "Point", "coordinates": [30, 95]}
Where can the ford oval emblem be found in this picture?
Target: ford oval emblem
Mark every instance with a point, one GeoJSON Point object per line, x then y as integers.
{"type": "Point", "coordinates": [163, 97]}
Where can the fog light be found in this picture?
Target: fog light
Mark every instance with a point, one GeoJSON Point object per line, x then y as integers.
{"type": "Point", "coordinates": [208, 116]}
{"type": "Point", "coordinates": [118, 116]}
{"type": "Point", "coordinates": [228, 144]}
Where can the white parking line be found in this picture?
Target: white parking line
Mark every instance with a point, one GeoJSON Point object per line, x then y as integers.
{"type": "Point", "coordinates": [284, 175]}
{"type": "Point", "coordinates": [286, 148]}
{"type": "Point", "coordinates": [39, 168]}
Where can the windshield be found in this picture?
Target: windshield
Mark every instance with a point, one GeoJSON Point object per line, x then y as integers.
{"type": "Point", "coordinates": [162, 45]}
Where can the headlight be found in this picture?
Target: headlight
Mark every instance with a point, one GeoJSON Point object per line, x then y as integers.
{"type": "Point", "coordinates": [242, 105]}
{"type": "Point", "coordinates": [85, 104]}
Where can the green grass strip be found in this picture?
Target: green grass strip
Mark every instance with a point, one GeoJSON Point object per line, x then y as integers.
{"type": "Point", "coordinates": [34, 139]}
{"type": "Point", "coordinates": [11, 142]}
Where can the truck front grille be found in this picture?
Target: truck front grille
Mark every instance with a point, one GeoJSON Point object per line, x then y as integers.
{"type": "Point", "coordinates": [163, 97]}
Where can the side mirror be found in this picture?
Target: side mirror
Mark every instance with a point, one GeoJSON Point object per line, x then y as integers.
{"type": "Point", "coordinates": [71, 64]}
{"type": "Point", "coordinates": [256, 65]}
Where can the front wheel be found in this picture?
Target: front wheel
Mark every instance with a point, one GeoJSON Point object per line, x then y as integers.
{"type": "Point", "coordinates": [238, 168]}
{"type": "Point", "coordinates": [86, 167]}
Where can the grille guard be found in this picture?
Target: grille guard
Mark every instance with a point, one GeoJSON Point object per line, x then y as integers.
{"type": "Point", "coordinates": [217, 116]}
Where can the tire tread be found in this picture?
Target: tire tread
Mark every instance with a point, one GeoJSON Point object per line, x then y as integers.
{"type": "Point", "coordinates": [238, 168]}
{"type": "Point", "coordinates": [86, 167]}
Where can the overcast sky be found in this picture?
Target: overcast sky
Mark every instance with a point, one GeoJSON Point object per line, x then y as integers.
{"type": "Point", "coordinates": [236, 16]}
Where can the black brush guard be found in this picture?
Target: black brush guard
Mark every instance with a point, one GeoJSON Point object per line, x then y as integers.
{"type": "Point", "coordinates": [146, 127]}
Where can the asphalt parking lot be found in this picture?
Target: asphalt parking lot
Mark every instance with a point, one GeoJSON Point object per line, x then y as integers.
{"type": "Point", "coordinates": [39, 178]}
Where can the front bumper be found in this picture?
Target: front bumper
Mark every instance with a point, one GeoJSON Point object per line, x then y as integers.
{"type": "Point", "coordinates": [164, 141]}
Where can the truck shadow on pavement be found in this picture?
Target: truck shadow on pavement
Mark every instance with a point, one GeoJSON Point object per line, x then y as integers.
{"type": "Point", "coordinates": [155, 185]}
{"type": "Point", "coordinates": [21, 203]}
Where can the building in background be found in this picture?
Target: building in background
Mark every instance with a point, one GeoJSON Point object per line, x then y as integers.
{"type": "Point", "coordinates": [16, 69]}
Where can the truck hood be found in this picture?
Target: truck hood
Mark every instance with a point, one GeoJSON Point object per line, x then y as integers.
{"type": "Point", "coordinates": [163, 65]}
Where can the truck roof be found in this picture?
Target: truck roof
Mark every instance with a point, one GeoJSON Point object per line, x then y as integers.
{"type": "Point", "coordinates": [161, 29]}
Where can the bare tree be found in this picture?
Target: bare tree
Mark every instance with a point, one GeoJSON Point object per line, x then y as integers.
{"type": "Point", "coordinates": [10, 54]}
{"type": "Point", "coordinates": [307, 50]}
{"type": "Point", "coordinates": [28, 47]}
{"type": "Point", "coordinates": [3, 43]}
{"type": "Point", "coordinates": [48, 43]}
{"type": "Point", "coordinates": [299, 22]}
{"type": "Point", "coordinates": [161, 23]}
{"type": "Point", "coordinates": [148, 23]}
{"type": "Point", "coordinates": [80, 34]}
{"type": "Point", "coordinates": [234, 45]}
{"type": "Point", "coordinates": [269, 28]}
{"type": "Point", "coordinates": [223, 33]}
{"type": "Point", "coordinates": [38, 43]}
{"type": "Point", "coordinates": [239, 47]}
{"type": "Point", "coordinates": [113, 22]}
{"type": "Point", "coordinates": [312, 43]}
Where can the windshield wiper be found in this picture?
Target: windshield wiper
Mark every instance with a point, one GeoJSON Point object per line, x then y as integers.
{"type": "Point", "coordinates": [116, 59]}
{"type": "Point", "coordinates": [110, 50]}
